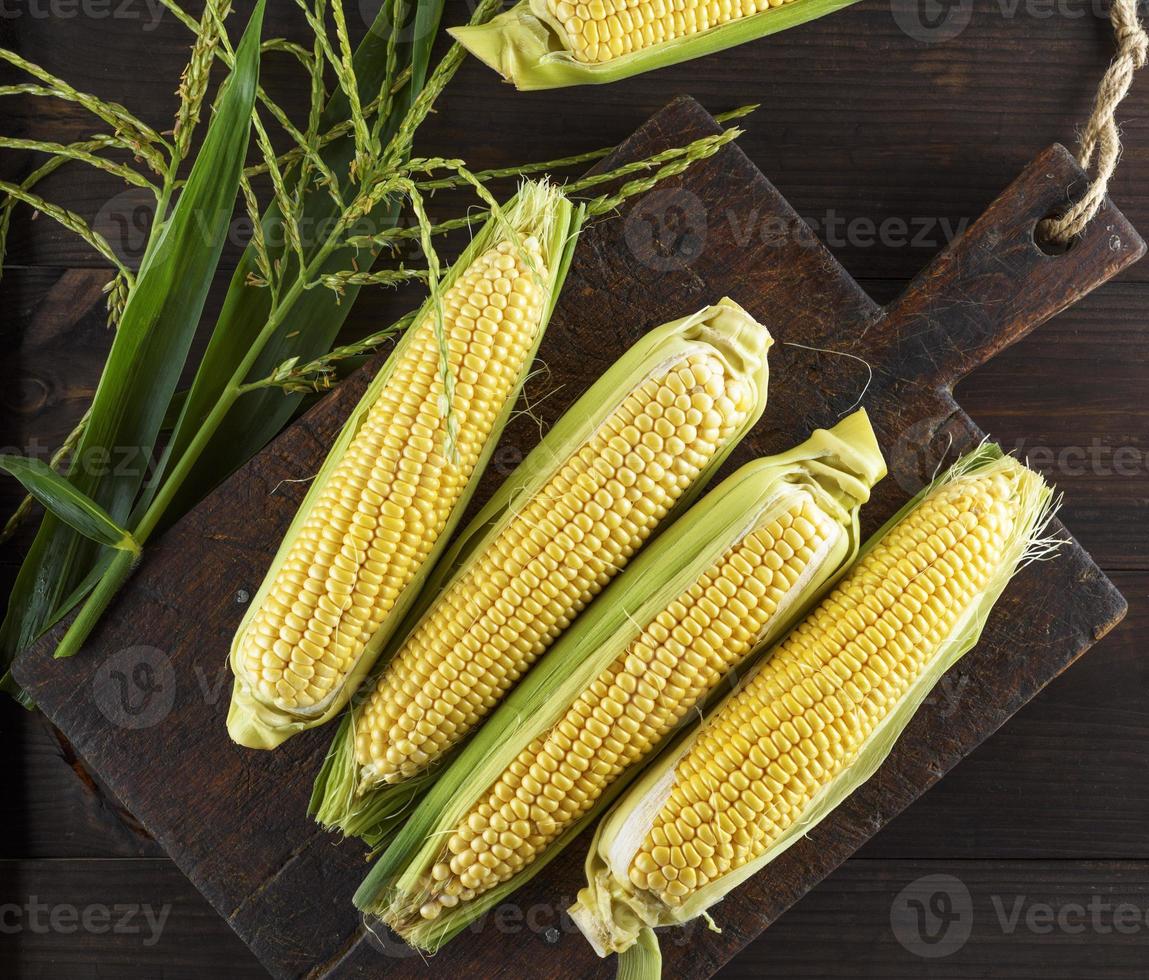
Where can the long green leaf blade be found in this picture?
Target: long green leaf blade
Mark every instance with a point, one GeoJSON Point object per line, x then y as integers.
{"type": "Point", "coordinates": [146, 359]}
{"type": "Point", "coordinates": [67, 503]}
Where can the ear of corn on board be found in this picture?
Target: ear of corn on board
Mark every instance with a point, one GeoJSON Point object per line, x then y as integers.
{"type": "Point", "coordinates": [540, 44]}
{"type": "Point", "coordinates": [235, 820]}
{"type": "Point", "coordinates": [398, 478]}
{"type": "Point", "coordinates": [626, 459]}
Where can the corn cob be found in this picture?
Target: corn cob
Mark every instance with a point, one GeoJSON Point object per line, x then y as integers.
{"type": "Point", "coordinates": [396, 481]}
{"type": "Point", "coordinates": [726, 579]}
{"type": "Point", "coordinates": [817, 716]}
{"type": "Point", "coordinates": [555, 43]}
{"type": "Point", "coordinates": [637, 447]}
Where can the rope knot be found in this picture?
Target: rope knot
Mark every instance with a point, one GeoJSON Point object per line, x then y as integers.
{"type": "Point", "coordinates": [1100, 138]}
{"type": "Point", "coordinates": [1132, 41]}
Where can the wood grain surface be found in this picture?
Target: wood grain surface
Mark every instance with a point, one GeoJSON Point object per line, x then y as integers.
{"type": "Point", "coordinates": [673, 251]}
{"type": "Point", "coordinates": [886, 144]}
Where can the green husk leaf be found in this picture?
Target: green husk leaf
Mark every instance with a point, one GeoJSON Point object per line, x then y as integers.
{"type": "Point", "coordinates": [147, 355]}
{"type": "Point", "coordinates": [79, 512]}
{"type": "Point", "coordinates": [836, 468]}
{"type": "Point", "coordinates": [643, 961]}
{"type": "Point", "coordinates": [612, 915]}
{"type": "Point", "coordinates": [529, 48]}
{"type": "Point", "coordinates": [539, 208]}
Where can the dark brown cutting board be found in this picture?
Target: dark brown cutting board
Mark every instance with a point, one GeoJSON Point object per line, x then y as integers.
{"type": "Point", "coordinates": [145, 703]}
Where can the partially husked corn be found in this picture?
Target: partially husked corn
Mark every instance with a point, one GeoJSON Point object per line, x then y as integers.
{"type": "Point", "coordinates": [803, 716]}
{"type": "Point", "coordinates": [388, 501]}
{"type": "Point", "coordinates": [818, 715]}
{"type": "Point", "coordinates": [726, 579]}
{"type": "Point", "coordinates": [539, 44]}
{"type": "Point", "coordinates": [678, 658]}
{"type": "Point", "coordinates": [398, 476]}
{"type": "Point", "coordinates": [631, 452]}
{"type": "Point", "coordinates": [602, 30]}
{"type": "Point", "coordinates": [546, 564]}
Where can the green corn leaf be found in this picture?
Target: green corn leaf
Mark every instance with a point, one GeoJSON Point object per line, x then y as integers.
{"type": "Point", "coordinates": [146, 359]}
{"type": "Point", "coordinates": [67, 503]}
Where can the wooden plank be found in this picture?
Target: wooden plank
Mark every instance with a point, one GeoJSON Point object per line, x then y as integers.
{"type": "Point", "coordinates": [63, 812]}
{"type": "Point", "coordinates": [128, 919]}
{"type": "Point", "coordinates": [961, 310]}
{"type": "Point", "coordinates": [840, 931]}
{"type": "Point", "coordinates": [889, 146]}
{"type": "Point", "coordinates": [1057, 920]}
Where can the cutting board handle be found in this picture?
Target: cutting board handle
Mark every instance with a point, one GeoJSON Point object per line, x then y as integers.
{"type": "Point", "coordinates": [995, 283]}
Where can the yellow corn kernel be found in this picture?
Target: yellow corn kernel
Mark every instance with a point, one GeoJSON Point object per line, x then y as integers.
{"type": "Point", "coordinates": [665, 671]}
{"type": "Point", "coordinates": [852, 660]}
{"type": "Point", "coordinates": [599, 31]}
{"type": "Point", "coordinates": [388, 501]}
{"type": "Point", "coordinates": [558, 551]}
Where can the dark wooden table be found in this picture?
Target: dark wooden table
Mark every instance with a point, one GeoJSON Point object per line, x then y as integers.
{"type": "Point", "coordinates": [888, 140]}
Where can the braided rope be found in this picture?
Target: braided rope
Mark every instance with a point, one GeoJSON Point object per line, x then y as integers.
{"type": "Point", "coordinates": [1101, 139]}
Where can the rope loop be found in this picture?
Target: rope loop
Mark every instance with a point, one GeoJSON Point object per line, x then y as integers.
{"type": "Point", "coordinates": [1101, 139]}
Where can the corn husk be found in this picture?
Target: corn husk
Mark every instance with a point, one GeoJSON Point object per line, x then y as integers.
{"type": "Point", "coordinates": [724, 329]}
{"type": "Point", "coordinates": [539, 209]}
{"type": "Point", "coordinates": [529, 48]}
{"type": "Point", "coordinates": [614, 916]}
{"type": "Point", "coordinates": [836, 468]}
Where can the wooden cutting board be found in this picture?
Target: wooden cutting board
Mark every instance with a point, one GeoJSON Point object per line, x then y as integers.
{"type": "Point", "coordinates": [145, 703]}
